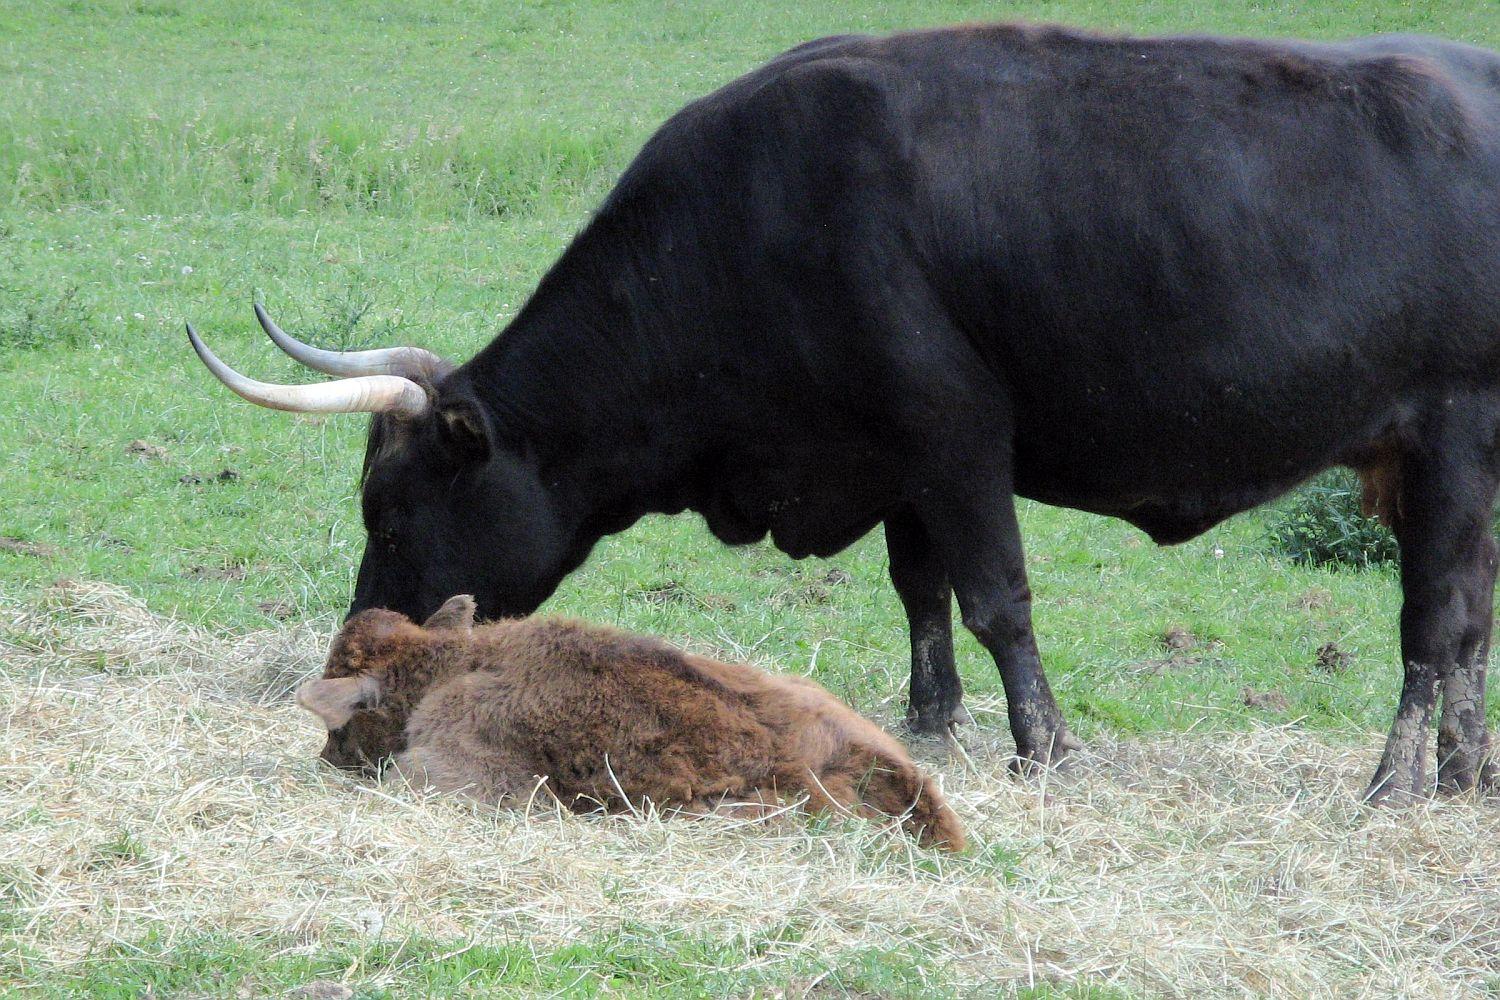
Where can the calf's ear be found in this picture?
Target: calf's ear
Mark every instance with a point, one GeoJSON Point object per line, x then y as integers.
{"type": "Point", "coordinates": [456, 612]}
{"type": "Point", "coordinates": [335, 699]}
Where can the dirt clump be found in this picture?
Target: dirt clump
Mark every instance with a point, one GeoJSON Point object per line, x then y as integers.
{"type": "Point", "coordinates": [1265, 701]}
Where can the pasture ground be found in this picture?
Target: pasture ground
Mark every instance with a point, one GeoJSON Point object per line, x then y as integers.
{"type": "Point", "coordinates": [384, 171]}
{"type": "Point", "coordinates": [176, 834]}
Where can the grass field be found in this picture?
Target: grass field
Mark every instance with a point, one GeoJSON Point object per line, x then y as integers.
{"type": "Point", "coordinates": [379, 172]}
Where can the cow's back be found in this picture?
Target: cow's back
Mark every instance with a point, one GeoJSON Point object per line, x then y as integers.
{"type": "Point", "coordinates": [1257, 256]}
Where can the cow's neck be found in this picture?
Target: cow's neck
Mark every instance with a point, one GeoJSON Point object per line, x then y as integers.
{"type": "Point", "coordinates": [607, 373]}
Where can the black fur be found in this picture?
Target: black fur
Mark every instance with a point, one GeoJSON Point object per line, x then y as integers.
{"type": "Point", "coordinates": [901, 279]}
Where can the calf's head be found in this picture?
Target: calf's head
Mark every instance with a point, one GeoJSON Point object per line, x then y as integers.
{"type": "Point", "coordinates": [448, 504]}
{"type": "Point", "coordinates": [379, 667]}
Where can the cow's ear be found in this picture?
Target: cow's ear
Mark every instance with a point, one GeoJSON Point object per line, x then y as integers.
{"type": "Point", "coordinates": [456, 612]}
{"type": "Point", "coordinates": [462, 424]}
{"type": "Point", "coordinates": [336, 699]}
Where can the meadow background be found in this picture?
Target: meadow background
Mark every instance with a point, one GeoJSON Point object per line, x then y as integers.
{"type": "Point", "coordinates": [378, 173]}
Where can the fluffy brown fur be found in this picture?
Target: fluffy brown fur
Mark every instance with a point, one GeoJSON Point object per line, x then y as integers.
{"type": "Point", "coordinates": [603, 719]}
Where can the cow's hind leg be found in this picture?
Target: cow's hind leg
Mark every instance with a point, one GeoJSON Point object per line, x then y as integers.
{"type": "Point", "coordinates": [936, 699]}
{"type": "Point", "coordinates": [1447, 582]}
{"type": "Point", "coordinates": [979, 542]}
{"type": "Point", "coordinates": [1465, 757]}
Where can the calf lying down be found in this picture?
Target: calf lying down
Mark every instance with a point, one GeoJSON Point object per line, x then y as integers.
{"type": "Point", "coordinates": [603, 719]}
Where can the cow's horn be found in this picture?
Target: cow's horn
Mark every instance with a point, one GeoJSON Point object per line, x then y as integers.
{"type": "Point", "coordinates": [404, 361]}
{"type": "Point", "coordinates": [366, 394]}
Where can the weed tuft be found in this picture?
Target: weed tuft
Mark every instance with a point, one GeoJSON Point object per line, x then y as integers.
{"type": "Point", "coordinates": [1323, 525]}
{"type": "Point", "coordinates": [31, 319]}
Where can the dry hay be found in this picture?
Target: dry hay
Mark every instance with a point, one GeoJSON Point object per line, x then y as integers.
{"type": "Point", "coordinates": [1191, 865]}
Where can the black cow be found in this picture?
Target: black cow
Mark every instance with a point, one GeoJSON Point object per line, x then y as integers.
{"type": "Point", "coordinates": [899, 280]}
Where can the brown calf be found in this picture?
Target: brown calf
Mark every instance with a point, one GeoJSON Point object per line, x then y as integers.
{"type": "Point", "coordinates": [605, 719]}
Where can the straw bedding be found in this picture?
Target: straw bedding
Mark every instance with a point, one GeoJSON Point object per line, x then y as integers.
{"type": "Point", "coordinates": [154, 776]}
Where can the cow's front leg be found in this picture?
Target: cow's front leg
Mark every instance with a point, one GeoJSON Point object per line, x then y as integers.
{"type": "Point", "coordinates": [980, 546]}
{"type": "Point", "coordinates": [936, 699]}
{"type": "Point", "coordinates": [1447, 583]}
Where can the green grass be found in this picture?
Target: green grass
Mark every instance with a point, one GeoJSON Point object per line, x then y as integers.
{"type": "Point", "coordinates": [629, 962]}
{"type": "Point", "coordinates": [164, 161]}
{"type": "Point", "coordinates": [379, 172]}
{"type": "Point", "coordinates": [625, 963]}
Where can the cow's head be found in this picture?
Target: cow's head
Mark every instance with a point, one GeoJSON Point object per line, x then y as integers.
{"type": "Point", "coordinates": [448, 506]}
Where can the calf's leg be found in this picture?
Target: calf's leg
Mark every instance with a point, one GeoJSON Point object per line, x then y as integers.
{"type": "Point", "coordinates": [889, 787]}
{"type": "Point", "coordinates": [1447, 582]}
{"type": "Point", "coordinates": [936, 697]}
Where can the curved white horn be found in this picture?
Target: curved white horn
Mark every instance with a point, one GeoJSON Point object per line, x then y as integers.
{"type": "Point", "coordinates": [367, 394]}
{"type": "Point", "coordinates": [404, 361]}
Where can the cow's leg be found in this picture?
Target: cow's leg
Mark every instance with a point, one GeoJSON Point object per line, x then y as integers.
{"type": "Point", "coordinates": [936, 699]}
{"type": "Point", "coordinates": [979, 543]}
{"type": "Point", "coordinates": [1464, 755]}
{"type": "Point", "coordinates": [1447, 582]}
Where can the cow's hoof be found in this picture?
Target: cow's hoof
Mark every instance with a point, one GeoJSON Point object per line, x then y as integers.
{"type": "Point", "coordinates": [1457, 779]}
{"type": "Point", "coordinates": [1479, 775]}
{"type": "Point", "coordinates": [936, 723]}
{"type": "Point", "coordinates": [1038, 755]}
{"type": "Point", "coordinates": [1401, 776]}
{"type": "Point", "coordinates": [1398, 787]}
{"type": "Point", "coordinates": [1393, 796]}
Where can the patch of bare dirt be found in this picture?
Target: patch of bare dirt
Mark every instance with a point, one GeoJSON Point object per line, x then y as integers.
{"type": "Point", "coordinates": [1265, 701]}
{"type": "Point", "coordinates": [197, 479]}
{"type": "Point", "coordinates": [1332, 659]}
{"type": "Point", "coordinates": [201, 572]}
{"type": "Point", "coordinates": [1314, 599]}
{"type": "Point", "coordinates": [673, 592]}
{"type": "Point", "coordinates": [22, 547]}
{"type": "Point", "coordinates": [146, 449]}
